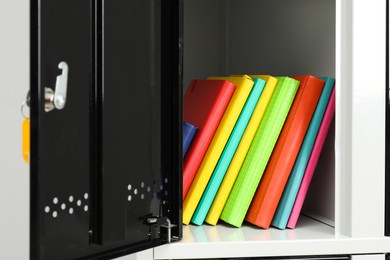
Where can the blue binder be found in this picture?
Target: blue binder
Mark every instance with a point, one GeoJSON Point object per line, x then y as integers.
{"type": "Point", "coordinates": [189, 131]}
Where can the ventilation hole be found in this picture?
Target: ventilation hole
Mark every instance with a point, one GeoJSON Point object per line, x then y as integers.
{"type": "Point", "coordinates": [142, 184]}
{"type": "Point", "coordinates": [86, 208]}
{"type": "Point", "coordinates": [161, 187]}
{"type": "Point", "coordinates": [55, 214]}
{"type": "Point", "coordinates": [148, 189]}
{"type": "Point", "coordinates": [55, 200]}
{"type": "Point", "coordinates": [166, 193]}
{"type": "Point", "coordinates": [71, 211]}
{"type": "Point", "coordinates": [142, 196]}
{"type": "Point", "coordinates": [47, 209]}
{"type": "Point", "coordinates": [129, 198]}
{"type": "Point", "coordinates": [63, 206]}
{"type": "Point", "coordinates": [71, 198]}
{"type": "Point", "coordinates": [129, 187]}
{"type": "Point", "coordinates": [166, 180]}
{"type": "Point", "coordinates": [135, 191]}
{"type": "Point", "coordinates": [79, 203]}
{"type": "Point", "coordinates": [86, 196]}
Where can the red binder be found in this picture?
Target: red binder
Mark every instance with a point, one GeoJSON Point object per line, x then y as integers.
{"type": "Point", "coordinates": [266, 199]}
{"type": "Point", "coordinates": [205, 102]}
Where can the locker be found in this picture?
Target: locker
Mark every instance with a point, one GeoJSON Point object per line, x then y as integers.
{"type": "Point", "coordinates": [105, 127]}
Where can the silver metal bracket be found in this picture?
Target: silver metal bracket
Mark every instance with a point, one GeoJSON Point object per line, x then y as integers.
{"type": "Point", "coordinates": [159, 227]}
{"type": "Point", "coordinates": [168, 226]}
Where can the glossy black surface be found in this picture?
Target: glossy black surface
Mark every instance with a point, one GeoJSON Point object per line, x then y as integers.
{"type": "Point", "coordinates": [387, 152]}
{"type": "Point", "coordinates": [111, 158]}
{"type": "Point", "coordinates": [131, 118]}
{"type": "Point", "coordinates": [60, 139]}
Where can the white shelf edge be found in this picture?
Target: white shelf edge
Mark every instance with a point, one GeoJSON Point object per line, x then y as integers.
{"type": "Point", "coordinates": [335, 246]}
{"type": "Point", "coordinates": [309, 238]}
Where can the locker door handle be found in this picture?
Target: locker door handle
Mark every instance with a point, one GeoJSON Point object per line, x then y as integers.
{"type": "Point", "coordinates": [57, 98]}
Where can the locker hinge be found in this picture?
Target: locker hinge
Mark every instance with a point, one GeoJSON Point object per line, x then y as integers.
{"type": "Point", "coordinates": [160, 227]}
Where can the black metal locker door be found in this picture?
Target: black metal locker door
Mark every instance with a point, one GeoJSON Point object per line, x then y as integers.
{"type": "Point", "coordinates": [105, 168]}
{"type": "Point", "coordinates": [387, 152]}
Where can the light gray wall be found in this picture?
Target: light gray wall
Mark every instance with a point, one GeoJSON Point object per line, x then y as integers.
{"type": "Point", "coordinates": [277, 37]}
{"type": "Point", "coordinates": [281, 37]}
{"type": "Point", "coordinates": [204, 39]}
{"type": "Point", "coordinates": [14, 173]}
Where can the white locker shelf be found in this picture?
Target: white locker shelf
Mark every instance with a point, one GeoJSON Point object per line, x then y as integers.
{"type": "Point", "coordinates": [310, 237]}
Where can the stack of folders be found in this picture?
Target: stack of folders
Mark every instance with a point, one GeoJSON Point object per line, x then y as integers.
{"type": "Point", "coordinates": [251, 144]}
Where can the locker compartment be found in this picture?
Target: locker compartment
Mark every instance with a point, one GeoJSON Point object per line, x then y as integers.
{"type": "Point", "coordinates": [277, 38]}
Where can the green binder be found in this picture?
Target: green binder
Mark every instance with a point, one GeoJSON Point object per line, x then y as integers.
{"type": "Point", "coordinates": [260, 151]}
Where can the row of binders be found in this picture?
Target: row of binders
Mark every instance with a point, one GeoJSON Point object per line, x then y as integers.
{"type": "Point", "coordinates": [251, 146]}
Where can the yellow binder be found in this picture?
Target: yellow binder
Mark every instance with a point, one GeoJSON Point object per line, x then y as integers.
{"type": "Point", "coordinates": [238, 158]}
{"type": "Point", "coordinates": [244, 86]}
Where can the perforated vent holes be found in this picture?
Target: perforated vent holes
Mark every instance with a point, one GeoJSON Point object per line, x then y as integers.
{"type": "Point", "coordinates": [137, 192]}
{"type": "Point", "coordinates": [144, 191]}
{"type": "Point", "coordinates": [67, 206]}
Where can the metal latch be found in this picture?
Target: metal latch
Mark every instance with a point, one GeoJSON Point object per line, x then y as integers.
{"type": "Point", "coordinates": [53, 98]}
{"type": "Point", "coordinates": [57, 98]}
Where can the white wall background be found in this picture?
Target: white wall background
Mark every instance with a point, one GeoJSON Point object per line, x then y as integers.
{"type": "Point", "coordinates": [14, 173]}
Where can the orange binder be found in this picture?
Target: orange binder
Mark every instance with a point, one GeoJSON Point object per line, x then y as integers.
{"type": "Point", "coordinates": [270, 189]}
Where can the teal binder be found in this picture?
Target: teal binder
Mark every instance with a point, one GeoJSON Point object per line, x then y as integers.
{"type": "Point", "coordinates": [228, 153]}
{"type": "Point", "coordinates": [287, 200]}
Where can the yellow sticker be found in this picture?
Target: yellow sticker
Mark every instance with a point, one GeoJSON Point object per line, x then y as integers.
{"type": "Point", "coordinates": [26, 139]}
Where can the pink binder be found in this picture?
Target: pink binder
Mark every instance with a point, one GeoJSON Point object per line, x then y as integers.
{"type": "Point", "coordinates": [311, 165]}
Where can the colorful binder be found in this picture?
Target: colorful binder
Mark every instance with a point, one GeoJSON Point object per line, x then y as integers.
{"type": "Point", "coordinates": [238, 158]}
{"type": "Point", "coordinates": [228, 153]}
{"type": "Point", "coordinates": [259, 152]}
{"type": "Point", "coordinates": [311, 165]}
{"type": "Point", "coordinates": [275, 176]}
{"type": "Point", "coordinates": [244, 86]}
{"type": "Point", "coordinates": [286, 202]}
{"type": "Point", "coordinates": [204, 104]}
{"type": "Point", "coordinates": [189, 131]}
